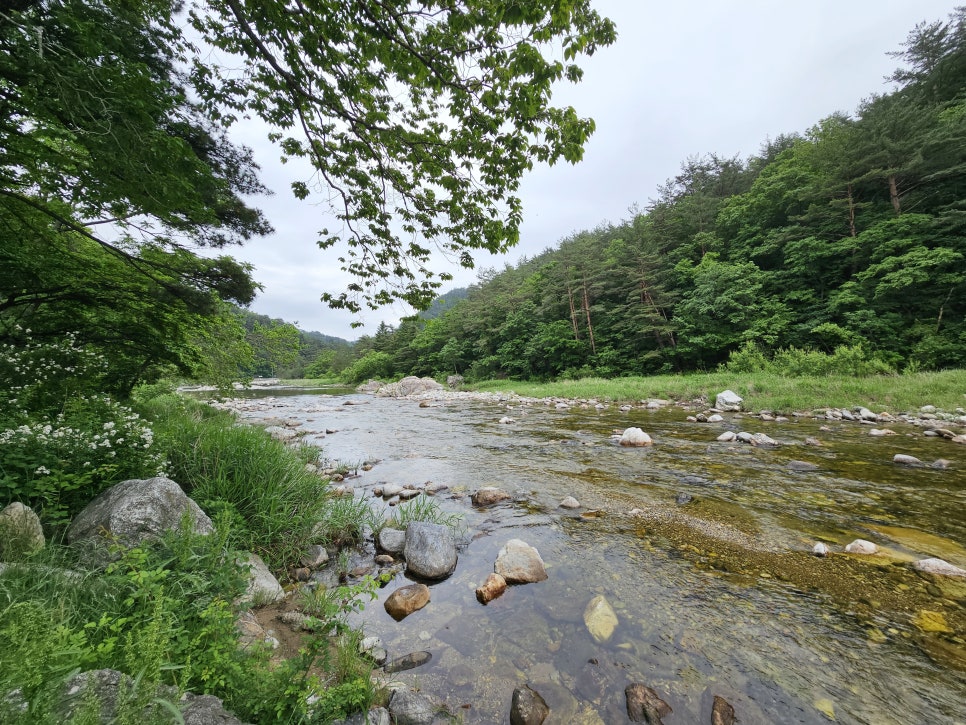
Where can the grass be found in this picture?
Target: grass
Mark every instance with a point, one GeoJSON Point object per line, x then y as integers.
{"type": "Point", "coordinates": [896, 393]}
{"type": "Point", "coordinates": [423, 508]}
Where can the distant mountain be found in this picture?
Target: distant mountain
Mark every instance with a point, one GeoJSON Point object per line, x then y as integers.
{"type": "Point", "coordinates": [444, 302]}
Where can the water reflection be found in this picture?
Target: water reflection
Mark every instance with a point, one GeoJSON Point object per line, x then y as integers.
{"type": "Point", "coordinates": [713, 597]}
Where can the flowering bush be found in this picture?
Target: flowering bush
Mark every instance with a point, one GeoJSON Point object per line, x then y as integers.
{"type": "Point", "coordinates": [60, 443]}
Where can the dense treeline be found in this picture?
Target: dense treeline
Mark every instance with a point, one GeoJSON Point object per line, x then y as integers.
{"type": "Point", "coordinates": [851, 234]}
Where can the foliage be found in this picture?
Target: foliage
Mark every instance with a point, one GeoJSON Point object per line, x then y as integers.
{"type": "Point", "coordinates": [61, 441]}
{"type": "Point", "coordinates": [162, 614]}
{"type": "Point", "coordinates": [378, 365]}
{"type": "Point", "coordinates": [423, 508]}
{"type": "Point", "coordinates": [262, 483]}
{"type": "Point", "coordinates": [793, 362]}
{"type": "Point", "coordinates": [852, 233]}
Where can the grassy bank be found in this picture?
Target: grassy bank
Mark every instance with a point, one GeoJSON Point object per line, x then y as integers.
{"type": "Point", "coordinates": [164, 613]}
{"type": "Point", "coordinates": [897, 393]}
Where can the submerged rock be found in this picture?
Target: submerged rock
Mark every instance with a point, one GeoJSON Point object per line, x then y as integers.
{"type": "Point", "coordinates": [600, 619]}
{"type": "Point", "coordinates": [644, 705]}
{"type": "Point", "coordinates": [903, 460]}
{"type": "Point", "coordinates": [527, 707]}
{"type": "Point", "coordinates": [408, 662]}
{"type": "Point", "coordinates": [721, 712]}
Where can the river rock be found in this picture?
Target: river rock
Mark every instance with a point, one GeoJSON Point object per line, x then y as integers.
{"type": "Point", "coordinates": [903, 460]}
{"type": "Point", "coordinates": [600, 619]}
{"type": "Point", "coordinates": [374, 649]}
{"type": "Point", "coordinates": [721, 712]}
{"type": "Point", "coordinates": [411, 708]}
{"type": "Point", "coordinates": [644, 705]}
{"type": "Point", "coordinates": [715, 418]}
{"type": "Point", "coordinates": [941, 464]}
{"type": "Point", "coordinates": [861, 546]}
{"type": "Point", "coordinates": [263, 587]}
{"type": "Point", "coordinates": [136, 510]}
{"type": "Point", "coordinates": [760, 439]}
{"type": "Point", "coordinates": [391, 489]}
{"type": "Point", "coordinates": [881, 432]}
{"type": "Point", "coordinates": [866, 414]}
{"type": "Point", "coordinates": [802, 466]}
{"type": "Point", "coordinates": [314, 556]}
{"type": "Point", "coordinates": [488, 495]}
{"type": "Point", "coordinates": [939, 567]}
{"type": "Point", "coordinates": [391, 540]}
{"type": "Point", "coordinates": [683, 498]}
{"type": "Point", "coordinates": [728, 436]}
{"type": "Point", "coordinates": [820, 549]}
{"type": "Point", "coordinates": [527, 707]}
{"type": "Point", "coordinates": [635, 437]}
{"type": "Point", "coordinates": [959, 439]}
{"type": "Point", "coordinates": [520, 563]}
{"type": "Point", "coordinates": [430, 550]}
{"type": "Point", "coordinates": [728, 400]}
{"type": "Point", "coordinates": [493, 587]}
{"type": "Point", "coordinates": [408, 662]}
{"type": "Point", "coordinates": [406, 600]}
{"type": "Point", "coordinates": [410, 385]}
{"type": "Point", "coordinates": [928, 409]}
{"type": "Point", "coordinates": [20, 531]}
{"type": "Point", "coordinates": [370, 386]}
{"type": "Point", "coordinates": [570, 503]}
{"type": "Point", "coordinates": [506, 420]}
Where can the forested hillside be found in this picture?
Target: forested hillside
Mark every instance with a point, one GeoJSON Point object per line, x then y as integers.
{"type": "Point", "coordinates": [852, 233]}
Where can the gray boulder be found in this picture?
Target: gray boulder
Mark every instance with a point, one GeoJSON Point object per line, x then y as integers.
{"type": "Point", "coordinates": [392, 540]}
{"type": "Point", "coordinates": [728, 400]}
{"type": "Point", "coordinates": [20, 531]}
{"type": "Point", "coordinates": [430, 550]}
{"type": "Point", "coordinates": [136, 510]}
{"type": "Point", "coordinates": [410, 385]}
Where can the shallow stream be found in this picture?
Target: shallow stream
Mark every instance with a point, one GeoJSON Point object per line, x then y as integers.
{"type": "Point", "coordinates": [716, 596]}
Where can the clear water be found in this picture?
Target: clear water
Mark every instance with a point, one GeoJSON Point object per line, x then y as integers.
{"type": "Point", "coordinates": [716, 596]}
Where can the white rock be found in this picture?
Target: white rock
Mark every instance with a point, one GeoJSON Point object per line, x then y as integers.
{"type": "Point", "coordinates": [861, 546]}
{"type": "Point", "coordinates": [600, 619]}
{"type": "Point", "coordinates": [820, 549]}
{"type": "Point", "coordinates": [506, 420]}
{"type": "Point", "coordinates": [940, 567]}
{"type": "Point", "coordinates": [879, 432]}
{"type": "Point", "coordinates": [520, 563]}
{"type": "Point", "coordinates": [728, 400]}
{"type": "Point", "coordinates": [727, 436]}
{"type": "Point", "coordinates": [904, 460]}
{"type": "Point", "coordinates": [715, 418]}
{"type": "Point", "coordinates": [570, 503]}
{"type": "Point", "coordinates": [635, 437]}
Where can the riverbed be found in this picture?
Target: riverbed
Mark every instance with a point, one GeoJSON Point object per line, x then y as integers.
{"type": "Point", "coordinates": [702, 548]}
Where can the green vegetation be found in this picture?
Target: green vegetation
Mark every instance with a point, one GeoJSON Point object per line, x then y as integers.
{"type": "Point", "coordinates": [849, 237]}
{"type": "Point", "coordinates": [763, 390]}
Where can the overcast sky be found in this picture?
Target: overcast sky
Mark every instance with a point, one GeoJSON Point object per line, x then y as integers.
{"type": "Point", "coordinates": [683, 79]}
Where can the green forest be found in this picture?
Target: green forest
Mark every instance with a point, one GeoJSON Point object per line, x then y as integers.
{"type": "Point", "coordinates": [849, 236]}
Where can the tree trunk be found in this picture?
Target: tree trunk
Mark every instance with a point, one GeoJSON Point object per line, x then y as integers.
{"type": "Point", "coordinates": [590, 327]}
{"type": "Point", "coordinates": [851, 212]}
{"type": "Point", "coordinates": [894, 194]}
{"type": "Point", "coordinates": [573, 313]}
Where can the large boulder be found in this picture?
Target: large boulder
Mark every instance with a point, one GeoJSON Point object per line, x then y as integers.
{"type": "Point", "coordinates": [430, 550]}
{"type": "Point", "coordinates": [412, 708]}
{"type": "Point", "coordinates": [520, 563]}
{"type": "Point", "coordinates": [408, 386]}
{"type": "Point", "coordinates": [728, 400]}
{"type": "Point", "coordinates": [136, 510]}
{"type": "Point", "coordinates": [488, 495]}
{"type": "Point", "coordinates": [20, 531]}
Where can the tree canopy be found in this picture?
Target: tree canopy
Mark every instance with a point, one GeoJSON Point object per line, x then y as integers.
{"type": "Point", "coordinates": [116, 163]}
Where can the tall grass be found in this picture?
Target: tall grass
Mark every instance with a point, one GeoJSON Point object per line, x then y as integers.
{"type": "Point", "coordinates": [275, 502]}
{"type": "Point", "coordinates": [896, 393]}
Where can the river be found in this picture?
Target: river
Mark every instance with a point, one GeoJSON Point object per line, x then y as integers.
{"type": "Point", "coordinates": [716, 595]}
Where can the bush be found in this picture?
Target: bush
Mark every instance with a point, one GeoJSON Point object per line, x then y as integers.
{"type": "Point", "coordinates": [851, 361]}
{"type": "Point", "coordinates": [61, 441]}
{"type": "Point", "coordinates": [373, 365]}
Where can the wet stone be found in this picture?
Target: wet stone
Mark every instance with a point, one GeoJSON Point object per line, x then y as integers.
{"type": "Point", "coordinates": [644, 705]}
{"type": "Point", "coordinates": [802, 466]}
{"type": "Point", "coordinates": [408, 662]}
{"type": "Point", "coordinates": [527, 707]}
